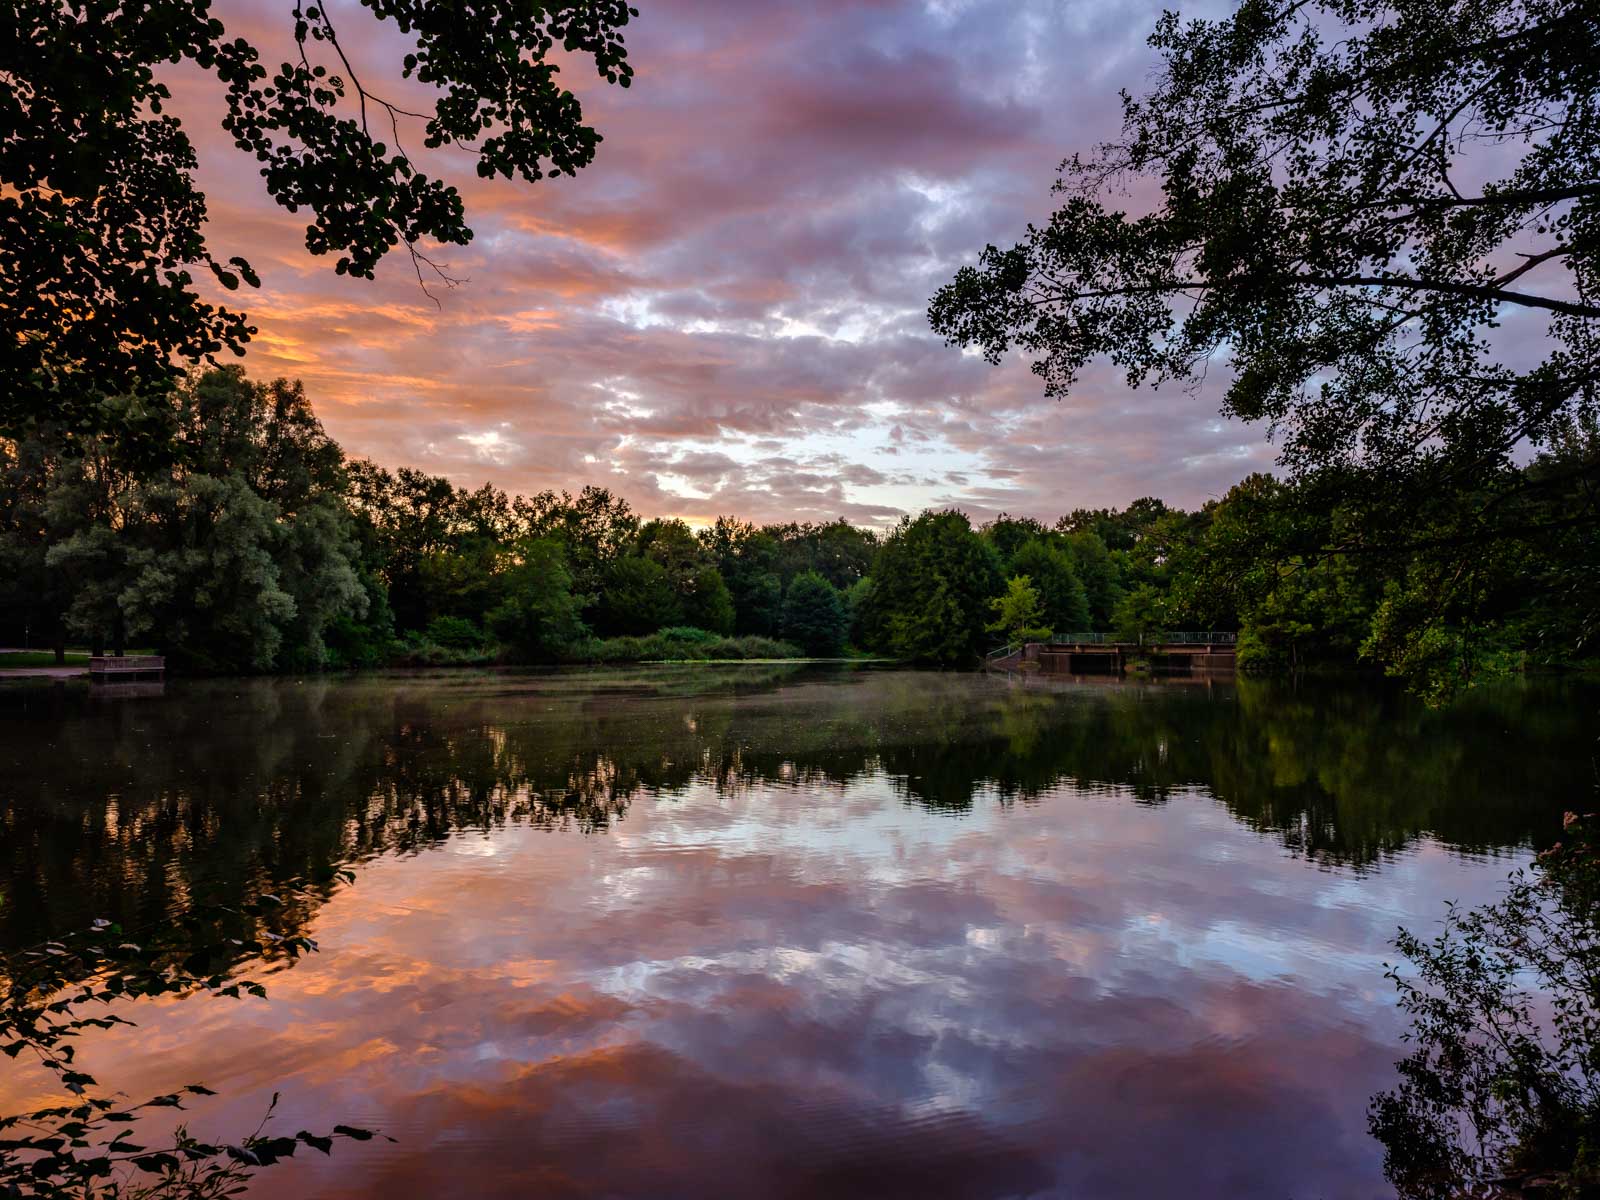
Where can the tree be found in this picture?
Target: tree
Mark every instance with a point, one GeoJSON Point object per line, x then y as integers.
{"type": "Point", "coordinates": [814, 616]}
{"type": "Point", "coordinates": [703, 597]}
{"type": "Point", "coordinates": [637, 598]}
{"type": "Point", "coordinates": [931, 585]}
{"type": "Point", "coordinates": [1095, 569]}
{"type": "Point", "coordinates": [1064, 607]}
{"type": "Point", "coordinates": [1018, 613]}
{"type": "Point", "coordinates": [102, 230]}
{"type": "Point", "coordinates": [539, 616]}
{"type": "Point", "coordinates": [1008, 534]}
{"type": "Point", "coordinates": [239, 555]}
{"type": "Point", "coordinates": [706, 602]}
{"type": "Point", "coordinates": [1502, 1092]}
{"type": "Point", "coordinates": [747, 559]}
{"type": "Point", "coordinates": [1140, 615]}
{"type": "Point", "coordinates": [242, 555]}
{"type": "Point", "coordinates": [1353, 197]}
{"type": "Point", "coordinates": [837, 551]}
{"type": "Point", "coordinates": [596, 526]}
{"type": "Point", "coordinates": [404, 518]}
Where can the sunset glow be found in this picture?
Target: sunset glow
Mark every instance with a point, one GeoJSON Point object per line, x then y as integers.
{"type": "Point", "coordinates": [726, 312]}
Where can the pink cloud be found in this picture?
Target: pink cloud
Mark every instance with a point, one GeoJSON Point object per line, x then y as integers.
{"type": "Point", "coordinates": [743, 270]}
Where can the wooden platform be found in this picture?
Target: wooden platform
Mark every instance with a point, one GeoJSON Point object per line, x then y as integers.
{"type": "Point", "coordinates": [1112, 658]}
{"type": "Point", "coordinates": [106, 667]}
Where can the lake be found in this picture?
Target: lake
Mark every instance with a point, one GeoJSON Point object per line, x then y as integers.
{"type": "Point", "coordinates": [788, 931]}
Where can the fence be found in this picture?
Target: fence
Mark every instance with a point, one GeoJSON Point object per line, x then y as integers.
{"type": "Point", "coordinates": [1146, 639]}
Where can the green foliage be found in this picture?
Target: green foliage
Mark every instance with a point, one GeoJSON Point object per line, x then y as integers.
{"type": "Point", "coordinates": [838, 551]}
{"type": "Point", "coordinates": [1008, 534]}
{"type": "Point", "coordinates": [707, 603]}
{"type": "Point", "coordinates": [1503, 1087]}
{"type": "Point", "coordinates": [1064, 605]}
{"type": "Point", "coordinates": [366, 641]}
{"type": "Point", "coordinates": [1018, 612]}
{"type": "Point", "coordinates": [454, 633]}
{"type": "Point", "coordinates": [856, 598]}
{"type": "Point", "coordinates": [931, 585]}
{"type": "Point", "coordinates": [747, 559]}
{"type": "Point", "coordinates": [540, 615]}
{"type": "Point", "coordinates": [1093, 565]}
{"type": "Point", "coordinates": [1350, 199]}
{"type": "Point", "coordinates": [637, 598]}
{"type": "Point", "coordinates": [1141, 615]}
{"type": "Point", "coordinates": [678, 645]}
{"type": "Point", "coordinates": [240, 559]}
{"type": "Point", "coordinates": [814, 616]}
{"type": "Point", "coordinates": [102, 230]}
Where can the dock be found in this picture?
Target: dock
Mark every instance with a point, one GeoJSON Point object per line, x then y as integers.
{"type": "Point", "coordinates": [104, 668]}
{"type": "Point", "coordinates": [1099, 653]}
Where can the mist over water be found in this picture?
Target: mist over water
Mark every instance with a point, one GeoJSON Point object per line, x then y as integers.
{"type": "Point", "coordinates": [786, 931]}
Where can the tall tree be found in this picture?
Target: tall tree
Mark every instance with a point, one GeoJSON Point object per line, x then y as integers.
{"type": "Point", "coordinates": [1384, 215]}
{"type": "Point", "coordinates": [1064, 607]}
{"type": "Point", "coordinates": [814, 615]}
{"type": "Point", "coordinates": [931, 585]}
{"type": "Point", "coordinates": [102, 229]}
{"type": "Point", "coordinates": [747, 559]}
{"type": "Point", "coordinates": [539, 616]}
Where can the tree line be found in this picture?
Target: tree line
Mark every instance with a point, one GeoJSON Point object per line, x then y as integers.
{"type": "Point", "coordinates": [259, 546]}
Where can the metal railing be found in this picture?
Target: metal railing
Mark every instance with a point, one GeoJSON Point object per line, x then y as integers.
{"type": "Point", "coordinates": [1005, 651]}
{"type": "Point", "coordinates": [1187, 638]}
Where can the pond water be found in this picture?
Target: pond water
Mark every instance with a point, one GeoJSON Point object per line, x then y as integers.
{"type": "Point", "coordinates": [781, 931]}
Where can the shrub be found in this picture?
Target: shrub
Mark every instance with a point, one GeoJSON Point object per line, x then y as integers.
{"type": "Point", "coordinates": [660, 647]}
{"type": "Point", "coordinates": [455, 633]}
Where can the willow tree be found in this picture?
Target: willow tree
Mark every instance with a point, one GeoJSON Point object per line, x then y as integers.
{"type": "Point", "coordinates": [102, 231]}
{"type": "Point", "coordinates": [1379, 221]}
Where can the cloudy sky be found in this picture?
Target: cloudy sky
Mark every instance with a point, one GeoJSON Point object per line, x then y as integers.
{"type": "Point", "coordinates": [725, 313]}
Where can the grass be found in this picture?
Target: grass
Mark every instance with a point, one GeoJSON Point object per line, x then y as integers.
{"type": "Point", "coordinates": [41, 658]}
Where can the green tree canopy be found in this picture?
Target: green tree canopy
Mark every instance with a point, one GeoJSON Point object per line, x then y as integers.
{"type": "Point", "coordinates": [637, 598]}
{"type": "Point", "coordinates": [1383, 216]}
{"type": "Point", "coordinates": [931, 585]}
{"type": "Point", "coordinates": [747, 558]}
{"type": "Point", "coordinates": [540, 615]}
{"type": "Point", "coordinates": [1064, 607]}
{"type": "Point", "coordinates": [1018, 612]}
{"type": "Point", "coordinates": [814, 616]}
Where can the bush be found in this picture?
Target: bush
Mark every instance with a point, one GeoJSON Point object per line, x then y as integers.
{"type": "Point", "coordinates": [455, 633]}
{"type": "Point", "coordinates": [683, 645]}
{"type": "Point", "coordinates": [687, 633]}
{"type": "Point", "coordinates": [417, 651]}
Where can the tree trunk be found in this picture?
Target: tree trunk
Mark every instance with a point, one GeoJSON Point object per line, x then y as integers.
{"type": "Point", "coordinates": [59, 642]}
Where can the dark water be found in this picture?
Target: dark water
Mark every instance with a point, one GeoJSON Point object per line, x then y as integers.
{"type": "Point", "coordinates": [781, 932]}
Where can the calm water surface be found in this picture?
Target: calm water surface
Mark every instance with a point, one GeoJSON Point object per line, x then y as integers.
{"type": "Point", "coordinates": [771, 931]}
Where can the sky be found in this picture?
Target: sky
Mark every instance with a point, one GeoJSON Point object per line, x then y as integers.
{"type": "Point", "coordinates": [726, 311]}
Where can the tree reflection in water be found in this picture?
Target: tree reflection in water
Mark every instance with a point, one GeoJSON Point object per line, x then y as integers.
{"type": "Point", "coordinates": [957, 932]}
{"type": "Point", "coordinates": [229, 786]}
